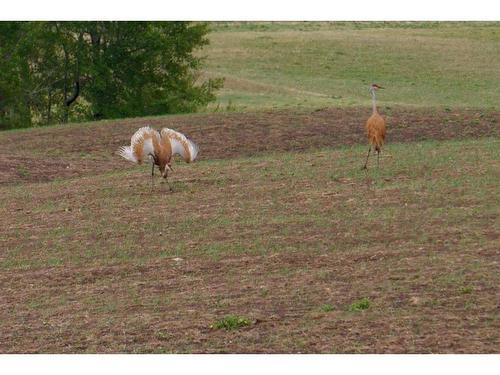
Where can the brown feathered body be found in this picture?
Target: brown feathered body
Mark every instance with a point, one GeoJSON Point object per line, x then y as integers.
{"type": "Point", "coordinates": [375, 131]}
{"type": "Point", "coordinates": [375, 128]}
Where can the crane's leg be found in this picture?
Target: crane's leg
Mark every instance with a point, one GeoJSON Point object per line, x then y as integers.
{"type": "Point", "coordinates": [152, 174]}
{"type": "Point", "coordinates": [152, 158]}
{"type": "Point", "coordinates": [366, 162]}
{"type": "Point", "coordinates": [378, 156]}
{"type": "Point", "coordinates": [169, 186]}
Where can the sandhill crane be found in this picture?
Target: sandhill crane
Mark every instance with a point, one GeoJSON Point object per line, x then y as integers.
{"type": "Point", "coordinates": [159, 147]}
{"type": "Point", "coordinates": [375, 127]}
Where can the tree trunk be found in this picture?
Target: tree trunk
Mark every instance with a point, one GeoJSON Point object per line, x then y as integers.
{"type": "Point", "coordinates": [76, 93]}
{"type": "Point", "coordinates": [66, 63]}
{"type": "Point", "coordinates": [49, 106]}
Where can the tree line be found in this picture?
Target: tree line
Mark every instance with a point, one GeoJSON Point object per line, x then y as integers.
{"type": "Point", "coordinates": [52, 72]}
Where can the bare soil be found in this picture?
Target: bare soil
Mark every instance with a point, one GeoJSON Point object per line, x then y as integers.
{"type": "Point", "coordinates": [59, 152]}
{"type": "Point", "coordinates": [285, 310]}
{"type": "Point", "coordinates": [90, 265]}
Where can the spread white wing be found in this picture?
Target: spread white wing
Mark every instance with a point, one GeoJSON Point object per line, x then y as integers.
{"type": "Point", "coordinates": [181, 145]}
{"type": "Point", "coordinates": [141, 145]}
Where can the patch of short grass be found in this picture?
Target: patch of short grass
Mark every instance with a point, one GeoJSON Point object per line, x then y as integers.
{"type": "Point", "coordinates": [163, 335]}
{"type": "Point", "coordinates": [23, 171]}
{"type": "Point", "coordinates": [360, 305]}
{"type": "Point", "coordinates": [466, 289]}
{"type": "Point", "coordinates": [231, 322]}
{"type": "Point", "coordinates": [326, 307]}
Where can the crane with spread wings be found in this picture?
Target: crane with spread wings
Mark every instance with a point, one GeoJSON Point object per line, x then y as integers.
{"type": "Point", "coordinates": [159, 147]}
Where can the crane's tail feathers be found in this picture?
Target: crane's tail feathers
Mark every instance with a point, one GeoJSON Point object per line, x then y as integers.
{"type": "Point", "coordinates": [377, 141]}
{"type": "Point", "coordinates": [127, 153]}
{"type": "Point", "coordinates": [181, 145]}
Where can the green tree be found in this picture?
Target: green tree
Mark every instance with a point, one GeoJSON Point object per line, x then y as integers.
{"type": "Point", "coordinates": [61, 71]}
{"type": "Point", "coordinates": [14, 101]}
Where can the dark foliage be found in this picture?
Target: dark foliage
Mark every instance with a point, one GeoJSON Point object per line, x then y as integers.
{"type": "Point", "coordinates": [71, 71]}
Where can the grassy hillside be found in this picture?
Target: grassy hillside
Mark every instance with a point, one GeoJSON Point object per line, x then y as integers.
{"type": "Point", "coordinates": [311, 64]}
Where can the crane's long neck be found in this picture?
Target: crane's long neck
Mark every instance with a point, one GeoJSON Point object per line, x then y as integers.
{"type": "Point", "coordinates": [374, 102]}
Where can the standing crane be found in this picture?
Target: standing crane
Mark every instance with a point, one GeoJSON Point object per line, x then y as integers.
{"type": "Point", "coordinates": [159, 147]}
{"type": "Point", "coordinates": [375, 127]}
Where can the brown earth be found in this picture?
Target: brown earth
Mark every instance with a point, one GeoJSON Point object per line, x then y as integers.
{"type": "Point", "coordinates": [426, 257]}
{"type": "Point", "coordinates": [285, 309]}
{"type": "Point", "coordinates": [59, 152]}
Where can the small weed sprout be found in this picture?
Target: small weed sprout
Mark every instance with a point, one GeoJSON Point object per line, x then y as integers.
{"type": "Point", "coordinates": [360, 305]}
{"type": "Point", "coordinates": [230, 106]}
{"type": "Point", "coordinates": [230, 322]}
{"type": "Point", "coordinates": [23, 172]}
{"type": "Point", "coordinates": [466, 290]}
{"type": "Point", "coordinates": [327, 307]}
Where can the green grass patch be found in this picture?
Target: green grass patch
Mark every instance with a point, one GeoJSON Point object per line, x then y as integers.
{"type": "Point", "coordinates": [360, 305]}
{"type": "Point", "coordinates": [231, 322]}
{"type": "Point", "coordinates": [466, 289]}
{"type": "Point", "coordinates": [23, 171]}
{"type": "Point", "coordinates": [326, 307]}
